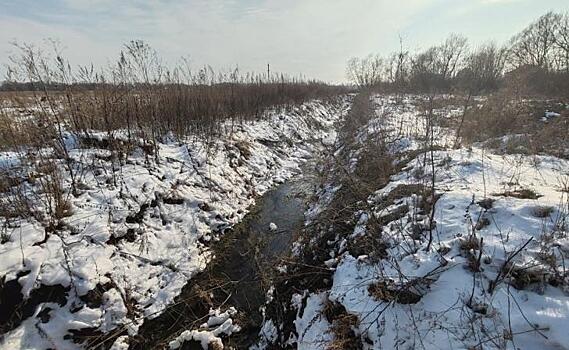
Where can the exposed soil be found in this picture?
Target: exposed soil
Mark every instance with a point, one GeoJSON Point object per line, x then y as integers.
{"type": "Point", "coordinates": [14, 308]}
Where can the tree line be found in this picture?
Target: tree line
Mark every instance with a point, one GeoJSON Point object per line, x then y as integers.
{"type": "Point", "coordinates": [539, 54]}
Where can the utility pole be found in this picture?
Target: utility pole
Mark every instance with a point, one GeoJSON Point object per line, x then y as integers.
{"type": "Point", "coordinates": [268, 72]}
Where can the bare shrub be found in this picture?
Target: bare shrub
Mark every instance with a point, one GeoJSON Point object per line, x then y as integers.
{"type": "Point", "coordinates": [495, 118]}
{"type": "Point", "coordinates": [534, 45]}
{"type": "Point", "coordinates": [365, 72]}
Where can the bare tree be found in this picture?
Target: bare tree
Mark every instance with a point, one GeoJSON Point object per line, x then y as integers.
{"type": "Point", "coordinates": [434, 68]}
{"type": "Point", "coordinates": [562, 42]}
{"type": "Point", "coordinates": [450, 54]}
{"type": "Point", "coordinates": [535, 44]}
{"type": "Point", "coordinates": [365, 71]}
{"type": "Point", "coordinates": [425, 74]}
{"type": "Point", "coordinates": [484, 68]}
{"type": "Point", "coordinates": [398, 67]}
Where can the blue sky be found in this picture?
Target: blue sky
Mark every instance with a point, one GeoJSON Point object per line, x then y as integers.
{"type": "Point", "coordinates": [313, 37]}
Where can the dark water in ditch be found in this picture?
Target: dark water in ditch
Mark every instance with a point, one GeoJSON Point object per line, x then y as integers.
{"type": "Point", "coordinates": [284, 206]}
{"type": "Point", "coordinates": [241, 271]}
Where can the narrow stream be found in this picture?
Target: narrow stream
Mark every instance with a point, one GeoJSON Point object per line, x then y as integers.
{"type": "Point", "coordinates": [283, 206]}
{"type": "Point", "coordinates": [244, 258]}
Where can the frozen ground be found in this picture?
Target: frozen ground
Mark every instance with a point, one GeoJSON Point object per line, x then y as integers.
{"type": "Point", "coordinates": [495, 274]}
{"type": "Point", "coordinates": [137, 233]}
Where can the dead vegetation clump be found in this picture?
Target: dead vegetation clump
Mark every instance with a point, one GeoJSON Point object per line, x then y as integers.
{"type": "Point", "coordinates": [498, 116]}
{"type": "Point", "coordinates": [481, 223]}
{"type": "Point", "coordinates": [542, 211]}
{"type": "Point", "coordinates": [486, 203]}
{"type": "Point", "coordinates": [521, 277]}
{"type": "Point", "coordinates": [18, 132]}
{"type": "Point", "coordinates": [244, 148]}
{"type": "Point", "coordinates": [388, 291]}
{"type": "Point", "coordinates": [39, 194]}
{"type": "Point", "coordinates": [344, 326]}
{"type": "Point", "coordinates": [471, 248]}
{"type": "Point", "coordinates": [374, 167]}
{"type": "Point", "coordinates": [370, 244]}
{"type": "Point", "coordinates": [523, 193]}
{"type": "Point", "coordinates": [470, 243]}
{"type": "Point", "coordinates": [406, 290]}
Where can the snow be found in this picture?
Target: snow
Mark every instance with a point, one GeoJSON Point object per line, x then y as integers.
{"type": "Point", "coordinates": [9, 159]}
{"type": "Point", "coordinates": [218, 324]}
{"type": "Point", "coordinates": [549, 115]}
{"type": "Point", "coordinates": [268, 335]}
{"type": "Point", "coordinates": [216, 317]}
{"type": "Point", "coordinates": [311, 326]}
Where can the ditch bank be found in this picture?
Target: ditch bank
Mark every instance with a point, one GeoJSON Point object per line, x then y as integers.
{"type": "Point", "coordinates": [176, 247]}
{"type": "Point", "coordinates": [241, 271]}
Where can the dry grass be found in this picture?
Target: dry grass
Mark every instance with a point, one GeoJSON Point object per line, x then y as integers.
{"type": "Point", "coordinates": [343, 326]}
{"type": "Point", "coordinates": [524, 193]}
{"type": "Point", "coordinates": [509, 124]}
{"type": "Point", "coordinates": [130, 106]}
{"type": "Point", "coordinates": [143, 97]}
{"type": "Point", "coordinates": [388, 292]}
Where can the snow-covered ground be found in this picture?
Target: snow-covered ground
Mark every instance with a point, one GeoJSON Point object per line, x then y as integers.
{"type": "Point", "coordinates": [495, 274]}
{"type": "Point", "coordinates": [139, 232]}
